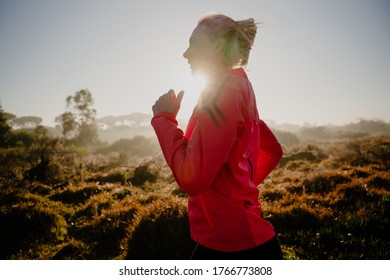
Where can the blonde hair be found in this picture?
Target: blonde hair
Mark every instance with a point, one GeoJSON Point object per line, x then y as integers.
{"type": "Point", "coordinates": [239, 36]}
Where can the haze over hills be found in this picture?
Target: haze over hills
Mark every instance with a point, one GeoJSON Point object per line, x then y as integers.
{"type": "Point", "coordinates": [112, 128]}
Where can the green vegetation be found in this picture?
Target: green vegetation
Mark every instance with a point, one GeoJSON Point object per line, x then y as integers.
{"type": "Point", "coordinates": [78, 122]}
{"type": "Point", "coordinates": [62, 200]}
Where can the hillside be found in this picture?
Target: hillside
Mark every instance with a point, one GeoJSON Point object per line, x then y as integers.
{"type": "Point", "coordinates": [327, 201]}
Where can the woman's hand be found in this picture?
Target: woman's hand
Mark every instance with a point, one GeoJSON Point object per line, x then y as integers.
{"type": "Point", "coordinates": [168, 102]}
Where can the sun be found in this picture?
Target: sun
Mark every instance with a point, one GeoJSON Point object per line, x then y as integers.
{"type": "Point", "coordinates": [192, 86]}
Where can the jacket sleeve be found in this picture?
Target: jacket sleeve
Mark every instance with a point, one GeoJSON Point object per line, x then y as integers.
{"type": "Point", "coordinates": [270, 153]}
{"type": "Point", "coordinates": [195, 162]}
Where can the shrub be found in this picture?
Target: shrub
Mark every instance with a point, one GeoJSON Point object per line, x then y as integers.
{"type": "Point", "coordinates": [41, 189]}
{"type": "Point", "coordinates": [298, 165]}
{"type": "Point", "coordinates": [325, 182]}
{"type": "Point", "coordinates": [105, 234]}
{"type": "Point", "coordinates": [71, 250]}
{"type": "Point", "coordinates": [160, 231]}
{"type": "Point", "coordinates": [142, 174]}
{"type": "Point", "coordinates": [26, 224]}
{"type": "Point", "coordinates": [294, 218]}
{"type": "Point", "coordinates": [121, 193]}
{"type": "Point", "coordinates": [380, 180]}
{"type": "Point", "coordinates": [76, 195]}
{"type": "Point", "coordinates": [351, 196]}
{"type": "Point", "coordinates": [178, 192]}
{"type": "Point", "coordinates": [93, 208]}
{"type": "Point", "coordinates": [308, 154]}
{"type": "Point", "coordinates": [13, 164]}
{"type": "Point", "coordinates": [21, 138]}
{"type": "Point", "coordinates": [46, 171]}
{"type": "Point", "coordinates": [117, 176]}
{"type": "Point", "coordinates": [361, 172]}
{"type": "Point", "coordinates": [271, 195]}
{"type": "Point", "coordinates": [375, 150]}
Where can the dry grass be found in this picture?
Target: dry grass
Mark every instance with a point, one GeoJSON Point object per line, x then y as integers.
{"type": "Point", "coordinates": [330, 201]}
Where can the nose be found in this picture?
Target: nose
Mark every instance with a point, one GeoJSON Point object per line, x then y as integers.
{"type": "Point", "coordinates": [185, 54]}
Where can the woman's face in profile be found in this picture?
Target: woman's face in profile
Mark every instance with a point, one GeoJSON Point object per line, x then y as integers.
{"type": "Point", "coordinates": [201, 53]}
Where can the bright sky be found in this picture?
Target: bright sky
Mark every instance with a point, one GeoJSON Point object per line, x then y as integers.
{"type": "Point", "coordinates": [314, 61]}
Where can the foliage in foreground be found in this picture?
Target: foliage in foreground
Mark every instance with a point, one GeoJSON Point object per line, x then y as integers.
{"type": "Point", "coordinates": [329, 201]}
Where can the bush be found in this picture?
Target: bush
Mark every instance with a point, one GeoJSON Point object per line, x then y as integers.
{"type": "Point", "coordinates": [117, 176]}
{"type": "Point", "coordinates": [27, 224]}
{"type": "Point", "coordinates": [21, 138]}
{"type": "Point", "coordinates": [160, 231]}
{"type": "Point", "coordinates": [46, 171]}
{"type": "Point", "coordinates": [71, 250]}
{"type": "Point", "coordinates": [367, 151]}
{"type": "Point", "coordinates": [308, 154]}
{"type": "Point", "coordinates": [297, 165]}
{"type": "Point", "coordinates": [142, 174]}
{"type": "Point", "coordinates": [271, 195]}
{"type": "Point", "coordinates": [295, 218]}
{"type": "Point", "coordinates": [76, 195]}
{"type": "Point", "coordinates": [13, 164]}
{"type": "Point", "coordinates": [325, 182]}
{"type": "Point", "coordinates": [105, 233]}
{"type": "Point", "coordinates": [380, 180]}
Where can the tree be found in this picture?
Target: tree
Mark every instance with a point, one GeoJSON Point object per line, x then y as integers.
{"type": "Point", "coordinates": [88, 134]}
{"type": "Point", "coordinates": [10, 116]}
{"type": "Point", "coordinates": [5, 128]}
{"type": "Point", "coordinates": [27, 122]}
{"type": "Point", "coordinates": [69, 124]}
{"type": "Point", "coordinates": [78, 123]}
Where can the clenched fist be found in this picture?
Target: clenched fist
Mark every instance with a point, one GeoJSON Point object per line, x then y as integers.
{"type": "Point", "coordinates": [168, 102]}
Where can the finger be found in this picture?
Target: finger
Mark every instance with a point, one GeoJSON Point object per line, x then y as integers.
{"type": "Point", "coordinates": [179, 98]}
{"type": "Point", "coordinates": [172, 94]}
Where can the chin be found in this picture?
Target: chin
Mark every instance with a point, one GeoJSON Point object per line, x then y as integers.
{"type": "Point", "coordinates": [196, 72]}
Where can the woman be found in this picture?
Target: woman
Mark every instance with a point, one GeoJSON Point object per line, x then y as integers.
{"type": "Point", "coordinates": [226, 151]}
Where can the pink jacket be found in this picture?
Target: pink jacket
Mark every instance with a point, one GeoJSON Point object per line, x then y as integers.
{"type": "Point", "coordinates": [225, 153]}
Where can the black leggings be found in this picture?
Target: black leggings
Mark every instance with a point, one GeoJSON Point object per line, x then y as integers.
{"type": "Point", "coordinates": [270, 250]}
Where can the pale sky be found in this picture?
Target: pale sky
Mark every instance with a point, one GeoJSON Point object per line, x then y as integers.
{"type": "Point", "coordinates": [316, 62]}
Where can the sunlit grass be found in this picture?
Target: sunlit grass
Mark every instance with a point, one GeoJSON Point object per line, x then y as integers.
{"type": "Point", "coordinates": [330, 201]}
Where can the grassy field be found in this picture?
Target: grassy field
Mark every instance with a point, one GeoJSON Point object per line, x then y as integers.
{"type": "Point", "coordinates": [327, 200]}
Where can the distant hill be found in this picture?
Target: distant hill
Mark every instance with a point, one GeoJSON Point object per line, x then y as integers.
{"type": "Point", "coordinates": [127, 126]}
{"type": "Point", "coordinates": [112, 128]}
{"type": "Point", "coordinates": [134, 119]}
{"type": "Point", "coordinates": [293, 134]}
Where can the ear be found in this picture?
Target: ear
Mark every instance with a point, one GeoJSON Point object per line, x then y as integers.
{"type": "Point", "coordinates": [219, 44]}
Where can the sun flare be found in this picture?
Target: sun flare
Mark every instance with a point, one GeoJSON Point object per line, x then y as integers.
{"type": "Point", "coordinates": [196, 84]}
{"type": "Point", "coordinates": [192, 86]}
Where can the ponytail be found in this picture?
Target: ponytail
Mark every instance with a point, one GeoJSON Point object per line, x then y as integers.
{"type": "Point", "coordinates": [239, 37]}
{"type": "Point", "coordinates": [246, 33]}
